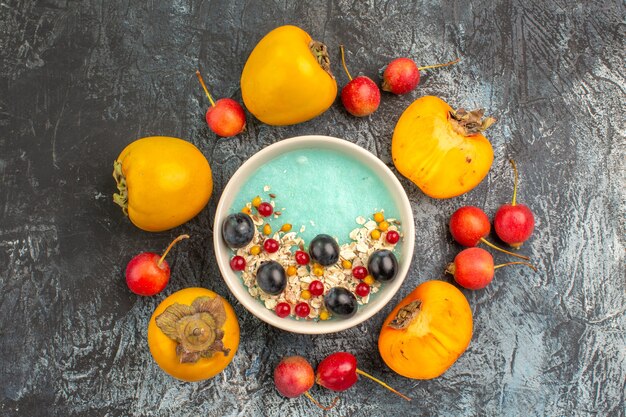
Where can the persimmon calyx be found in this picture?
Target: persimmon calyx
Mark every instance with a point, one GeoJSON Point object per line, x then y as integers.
{"type": "Point", "coordinates": [320, 52]}
{"type": "Point", "coordinates": [197, 328]}
{"type": "Point", "coordinates": [468, 123]}
{"type": "Point", "coordinates": [406, 315]}
{"type": "Point", "coordinates": [121, 198]}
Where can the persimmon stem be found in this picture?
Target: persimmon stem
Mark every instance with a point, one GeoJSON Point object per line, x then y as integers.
{"type": "Point", "coordinates": [206, 90]}
{"type": "Point", "coordinates": [325, 408]}
{"type": "Point", "coordinates": [491, 245]}
{"type": "Point", "coordinates": [343, 62]}
{"type": "Point", "coordinates": [514, 181]}
{"type": "Point", "coordinates": [516, 263]}
{"type": "Point", "coordinates": [175, 241]}
{"type": "Point", "coordinates": [456, 61]}
{"type": "Point", "coordinates": [365, 374]}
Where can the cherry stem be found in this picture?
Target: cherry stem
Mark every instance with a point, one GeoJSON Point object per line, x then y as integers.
{"type": "Point", "coordinates": [175, 241]}
{"type": "Point", "coordinates": [456, 61]}
{"type": "Point", "coordinates": [365, 374]}
{"type": "Point", "coordinates": [331, 406]}
{"type": "Point", "coordinates": [516, 263]}
{"type": "Point", "coordinates": [343, 62]}
{"type": "Point", "coordinates": [514, 182]}
{"type": "Point", "coordinates": [491, 245]}
{"type": "Point", "coordinates": [205, 89]}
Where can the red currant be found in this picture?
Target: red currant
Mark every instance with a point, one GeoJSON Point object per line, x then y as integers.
{"type": "Point", "coordinates": [393, 237]}
{"type": "Point", "coordinates": [302, 258]}
{"type": "Point", "coordinates": [316, 288]}
{"type": "Point", "coordinates": [283, 309]}
{"type": "Point", "coordinates": [359, 272]}
{"type": "Point", "coordinates": [362, 289]}
{"type": "Point", "coordinates": [238, 263]}
{"type": "Point", "coordinates": [270, 245]}
{"type": "Point", "coordinates": [302, 309]}
{"type": "Point", "coordinates": [265, 209]}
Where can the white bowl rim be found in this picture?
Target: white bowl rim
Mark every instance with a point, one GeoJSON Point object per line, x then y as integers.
{"type": "Point", "coordinates": [222, 251]}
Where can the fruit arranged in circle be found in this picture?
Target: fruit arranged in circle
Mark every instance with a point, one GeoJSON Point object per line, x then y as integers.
{"type": "Point", "coordinates": [148, 273]}
{"type": "Point", "coordinates": [324, 250]}
{"type": "Point", "coordinates": [514, 223]}
{"type": "Point", "coordinates": [225, 117]}
{"type": "Point", "coordinates": [341, 302]}
{"type": "Point", "coordinates": [427, 331]}
{"type": "Point", "coordinates": [238, 230]}
{"type": "Point", "coordinates": [162, 182]}
{"type": "Point", "coordinates": [441, 150]}
{"type": "Point", "coordinates": [383, 265]}
{"type": "Point", "coordinates": [271, 277]}
{"type": "Point", "coordinates": [287, 79]}
{"type": "Point", "coordinates": [361, 96]}
{"type": "Point", "coordinates": [193, 334]}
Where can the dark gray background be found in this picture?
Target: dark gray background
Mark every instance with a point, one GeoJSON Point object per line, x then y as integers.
{"type": "Point", "coordinates": [80, 80]}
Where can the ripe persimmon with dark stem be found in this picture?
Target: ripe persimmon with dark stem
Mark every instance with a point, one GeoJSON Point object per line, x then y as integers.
{"type": "Point", "coordinates": [225, 117]}
{"type": "Point", "coordinates": [293, 376]}
{"type": "Point", "coordinates": [514, 223]}
{"type": "Point", "coordinates": [148, 273]}
{"type": "Point", "coordinates": [361, 96]}
{"type": "Point", "coordinates": [473, 268]}
{"type": "Point", "coordinates": [402, 75]}
{"type": "Point", "coordinates": [470, 225]}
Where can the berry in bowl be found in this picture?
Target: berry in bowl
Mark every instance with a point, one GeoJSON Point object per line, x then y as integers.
{"type": "Point", "coordinates": [314, 234]}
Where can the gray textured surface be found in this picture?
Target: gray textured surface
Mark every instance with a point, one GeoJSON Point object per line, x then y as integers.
{"type": "Point", "coordinates": [80, 80]}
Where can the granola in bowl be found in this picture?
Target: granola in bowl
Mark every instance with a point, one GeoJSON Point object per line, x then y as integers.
{"type": "Point", "coordinates": [300, 299]}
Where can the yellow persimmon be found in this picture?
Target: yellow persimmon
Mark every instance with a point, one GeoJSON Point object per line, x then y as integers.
{"type": "Point", "coordinates": [441, 150]}
{"type": "Point", "coordinates": [162, 181]}
{"type": "Point", "coordinates": [287, 79]}
{"type": "Point", "coordinates": [193, 334]}
{"type": "Point", "coordinates": [427, 332]}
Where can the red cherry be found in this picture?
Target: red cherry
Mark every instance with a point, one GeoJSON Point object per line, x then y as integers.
{"type": "Point", "coordinates": [361, 96]}
{"type": "Point", "coordinates": [402, 75]}
{"type": "Point", "coordinates": [271, 245]}
{"type": "Point", "coordinates": [302, 309]}
{"type": "Point", "coordinates": [265, 209]}
{"type": "Point", "coordinates": [238, 263]}
{"type": "Point", "coordinates": [392, 237]}
{"type": "Point", "coordinates": [362, 289]}
{"type": "Point", "coordinates": [514, 224]}
{"type": "Point", "coordinates": [469, 225]}
{"type": "Point", "coordinates": [302, 258]}
{"type": "Point", "coordinates": [473, 268]}
{"type": "Point", "coordinates": [338, 372]}
{"type": "Point", "coordinates": [148, 273]}
{"type": "Point", "coordinates": [359, 272]}
{"type": "Point", "coordinates": [225, 117]}
{"type": "Point", "coordinates": [282, 309]}
{"type": "Point", "coordinates": [316, 288]}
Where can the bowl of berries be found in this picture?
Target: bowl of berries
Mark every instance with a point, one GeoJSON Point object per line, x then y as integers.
{"type": "Point", "coordinates": [314, 234]}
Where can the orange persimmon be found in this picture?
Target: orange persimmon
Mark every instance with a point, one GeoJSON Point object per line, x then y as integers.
{"type": "Point", "coordinates": [427, 332]}
{"type": "Point", "coordinates": [193, 334]}
{"type": "Point", "coordinates": [441, 150]}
